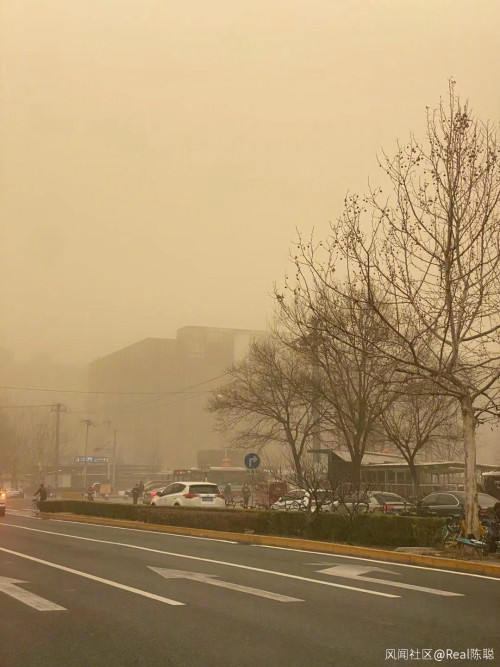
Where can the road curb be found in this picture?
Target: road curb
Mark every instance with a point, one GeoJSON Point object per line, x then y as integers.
{"type": "Point", "coordinates": [439, 562]}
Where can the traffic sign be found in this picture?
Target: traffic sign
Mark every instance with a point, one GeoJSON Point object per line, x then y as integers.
{"type": "Point", "coordinates": [252, 461]}
{"type": "Point", "coordinates": [91, 459]}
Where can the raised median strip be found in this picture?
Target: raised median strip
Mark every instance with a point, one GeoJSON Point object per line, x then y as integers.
{"type": "Point", "coordinates": [424, 560]}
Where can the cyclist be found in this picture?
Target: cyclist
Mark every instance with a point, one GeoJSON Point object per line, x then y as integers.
{"type": "Point", "coordinates": [42, 493]}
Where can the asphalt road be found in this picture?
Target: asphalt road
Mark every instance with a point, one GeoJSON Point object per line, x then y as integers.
{"type": "Point", "coordinates": [77, 594]}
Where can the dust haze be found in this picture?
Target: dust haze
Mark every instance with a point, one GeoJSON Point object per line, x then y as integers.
{"type": "Point", "coordinates": [157, 157]}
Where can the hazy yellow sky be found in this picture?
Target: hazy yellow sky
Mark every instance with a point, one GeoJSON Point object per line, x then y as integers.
{"type": "Point", "coordinates": [157, 155]}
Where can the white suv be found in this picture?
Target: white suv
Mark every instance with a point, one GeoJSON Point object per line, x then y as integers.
{"type": "Point", "coordinates": [190, 494]}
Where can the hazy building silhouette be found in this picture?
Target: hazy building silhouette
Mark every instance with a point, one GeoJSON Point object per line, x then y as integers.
{"type": "Point", "coordinates": [155, 391]}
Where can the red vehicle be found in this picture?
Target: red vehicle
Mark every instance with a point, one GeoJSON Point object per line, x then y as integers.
{"type": "Point", "coordinates": [267, 494]}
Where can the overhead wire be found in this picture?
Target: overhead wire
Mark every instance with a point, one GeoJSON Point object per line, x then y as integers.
{"type": "Point", "coordinates": [155, 402]}
{"type": "Point", "coordinates": [6, 407]}
{"type": "Point", "coordinates": [126, 393]}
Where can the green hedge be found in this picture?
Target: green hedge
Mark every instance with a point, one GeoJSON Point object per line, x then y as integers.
{"type": "Point", "coordinates": [365, 529]}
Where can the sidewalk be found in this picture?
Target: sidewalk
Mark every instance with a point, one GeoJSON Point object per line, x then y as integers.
{"type": "Point", "coordinates": [478, 567]}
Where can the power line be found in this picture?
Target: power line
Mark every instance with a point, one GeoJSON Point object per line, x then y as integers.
{"type": "Point", "coordinates": [127, 393]}
{"type": "Point", "coordinates": [158, 400]}
{"type": "Point", "coordinates": [6, 407]}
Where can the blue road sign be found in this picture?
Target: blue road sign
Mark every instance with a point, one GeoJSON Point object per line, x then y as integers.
{"type": "Point", "coordinates": [252, 461]}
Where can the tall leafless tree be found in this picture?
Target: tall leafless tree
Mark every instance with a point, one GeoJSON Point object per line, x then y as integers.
{"type": "Point", "coordinates": [353, 385]}
{"type": "Point", "coordinates": [267, 401]}
{"type": "Point", "coordinates": [426, 260]}
{"type": "Point", "coordinates": [416, 421]}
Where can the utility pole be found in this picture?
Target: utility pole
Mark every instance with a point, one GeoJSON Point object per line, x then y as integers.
{"type": "Point", "coordinates": [314, 339]}
{"type": "Point", "coordinates": [89, 423]}
{"type": "Point", "coordinates": [113, 480]}
{"type": "Point", "coordinates": [57, 408]}
{"type": "Point", "coordinates": [315, 410]}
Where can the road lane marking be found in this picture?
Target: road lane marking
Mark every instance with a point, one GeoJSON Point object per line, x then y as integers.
{"type": "Point", "coordinates": [208, 560]}
{"type": "Point", "coordinates": [375, 560]}
{"type": "Point", "coordinates": [211, 579]}
{"type": "Point", "coordinates": [357, 572]}
{"type": "Point", "coordinates": [86, 575]}
{"type": "Point", "coordinates": [9, 586]}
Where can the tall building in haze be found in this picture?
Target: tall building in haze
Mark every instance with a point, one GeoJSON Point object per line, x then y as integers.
{"type": "Point", "coordinates": [154, 393]}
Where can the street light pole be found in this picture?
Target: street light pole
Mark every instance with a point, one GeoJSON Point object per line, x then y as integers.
{"type": "Point", "coordinates": [57, 408]}
{"type": "Point", "coordinates": [314, 340]}
{"type": "Point", "coordinates": [113, 482]}
{"type": "Point", "coordinates": [315, 410]}
{"type": "Point", "coordinates": [89, 423]}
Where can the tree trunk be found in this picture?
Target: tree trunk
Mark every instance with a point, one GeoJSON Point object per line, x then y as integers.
{"type": "Point", "coordinates": [471, 510]}
{"type": "Point", "coordinates": [297, 463]}
{"type": "Point", "coordinates": [356, 470]}
{"type": "Point", "coordinates": [414, 479]}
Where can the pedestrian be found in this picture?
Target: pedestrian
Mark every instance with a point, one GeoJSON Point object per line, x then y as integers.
{"type": "Point", "coordinates": [42, 495]}
{"type": "Point", "coordinates": [141, 488]}
{"type": "Point", "coordinates": [228, 494]}
{"type": "Point", "coordinates": [245, 492]}
{"type": "Point", "coordinates": [135, 494]}
{"type": "Point", "coordinates": [496, 512]}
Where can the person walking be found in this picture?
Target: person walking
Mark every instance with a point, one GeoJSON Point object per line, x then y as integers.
{"type": "Point", "coordinates": [141, 488]}
{"type": "Point", "coordinates": [245, 492]}
{"type": "Point", "coordinates": [135, 494]}
{"type": "Point", "coordinates": [228, 494]}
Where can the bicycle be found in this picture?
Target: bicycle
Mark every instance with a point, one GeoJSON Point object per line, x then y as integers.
{"type": "Point", "coordinates": [35, 510]}
{"type": "Point", "coordinates": [452, 530]}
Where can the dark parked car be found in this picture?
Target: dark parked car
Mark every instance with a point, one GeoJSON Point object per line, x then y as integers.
{"type": "Point", "coordinates": [451, 503]}
{"type": "Point", "coordinates": [149, 495]}
{"type": "Point", "coordinates": [375, 501]}
{"type": "Point", "coordinates": [148, 486]}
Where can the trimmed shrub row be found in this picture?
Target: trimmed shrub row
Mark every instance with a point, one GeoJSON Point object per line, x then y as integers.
{"type": "Point", "coordinates": [365, 529]}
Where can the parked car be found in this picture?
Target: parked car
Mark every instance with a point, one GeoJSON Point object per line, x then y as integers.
{"type": "Point", "coordinates": [156, 484]}
{"type": "Point", "coordinates": [149, 495]}
{"type": "Point", "coordinates": [375, 501]}
{"type": "Point", "coordinates": [299, 499]}
{"type": "Point", "coordinates": [452, 503]}
{"type": "Point", "coordinates": [3, 498]}
{"type": "Point", "coordinates": [190, 494]}
{"type": "Point", "coordinates": [148, 486]}
{"type": "Point", "coordinates": [14, 493]}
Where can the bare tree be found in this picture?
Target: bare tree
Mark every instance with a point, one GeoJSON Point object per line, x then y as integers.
{"type": "Point", "coordinates": [429, 267]}
{"type": "Point", "coordinates": [416, 421]}
{"type": "Point", "coordinates": [446, 448]}
{"type": "Point", "coordinates": [353, 385]}
{"type": "Point", "coordinates": [267, 401]}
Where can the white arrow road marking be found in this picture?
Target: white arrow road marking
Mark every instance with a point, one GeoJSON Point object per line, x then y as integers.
{"type": "Point", "coordinates": [100, 580]}
{"type": "Point", "coordinates": [204, 560]}
{"type": "Point", "coordinates": [355, 572]}
{"type": "Point", "coordinates": [9, 587]}
{"type": "Point", "coordinates": [210, 579]}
